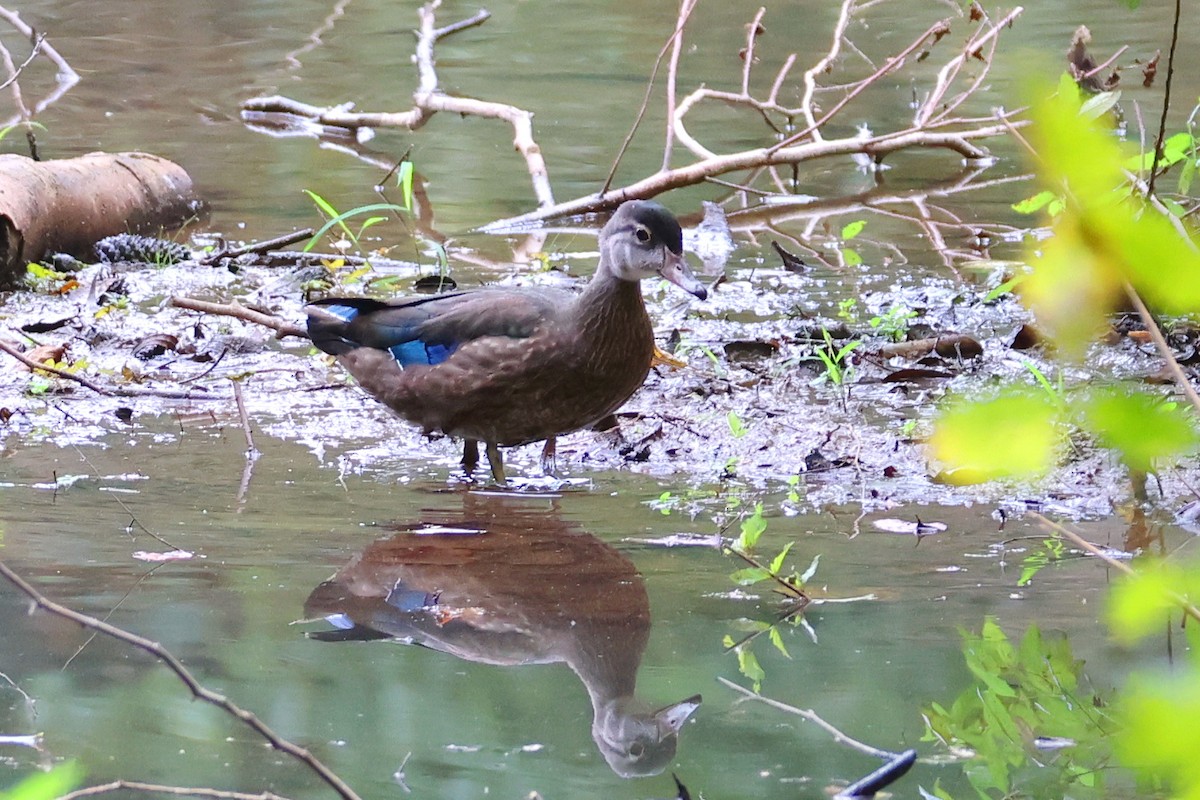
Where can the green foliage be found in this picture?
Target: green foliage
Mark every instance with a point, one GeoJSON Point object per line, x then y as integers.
{"type": "Point", "coordinates": [1053, 203]}
{"type": "Point", "coordinates": [1105, 239]}
{"type": "Point", "coordinates": [849, 255]}
{"type": "Point", "coordinates": [1054, 391]}
{"type": "Point", "coordinates": [47, 280]}
{"type": "Point", "coordinates": [893, 323]}
{"type": "Point", "coordinates": [1140, 427]}
{"type": "Point", "coordinates": [1160, 739]}
{"type": "Point", "coordinates": [836, 359]}
{"type": "Point", "coordinates": [1141, 604]}
{"type": "Point", "coordinates": [752, 530]}
{"type": "Point", "coordinates": [737, 428]}
{"type": "Point", "coordinates": [46, 785]}
{"type": "Point", "coordinates": [1052, 550]}
{"type": "Point", "coordinates": [1011, 435]}
{"type": "Point", "coordinates": [27, 125]}
{"type": "Point", "coordinates": [404, 179]}
{"type": "Point", "coordinates": [338, 219]}
{"type": "Point", "coordinates": [1022, 695]}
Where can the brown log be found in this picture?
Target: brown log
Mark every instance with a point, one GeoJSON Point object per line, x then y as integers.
{"type": "Point", "coordinates": [68, 205]}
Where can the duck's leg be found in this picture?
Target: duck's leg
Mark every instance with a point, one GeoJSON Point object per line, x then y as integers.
{"type": "Point", "coordinates": [549, 450]}
{"type": "Point", "coordinates": [497, 462]}
{"type": "Point", "coordinates": [470, 458]}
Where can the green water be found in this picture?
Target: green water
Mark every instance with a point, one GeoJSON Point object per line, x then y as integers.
{"type": "Point", "coordinates": [167, 77]}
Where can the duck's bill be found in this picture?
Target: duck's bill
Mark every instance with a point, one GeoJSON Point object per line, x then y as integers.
{"type": "Point", "coordinates": [676, 270]}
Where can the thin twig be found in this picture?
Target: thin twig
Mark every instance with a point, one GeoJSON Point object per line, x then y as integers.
{"type": "Point", "coordinates": [16, 73]}
{"type": "Point", "coordinates": [813, 717]}
{"type": "Point", "coordinates": [115, 391]}
{"type": "Point", "coordinates": [157, 788]}
{"type": "Point", "coordinates": [66, 77]}
{"type": "Point", "coordinates": [174, 665]}
{"type": "Point", "coordinates": [260, 247]}
{"type": "Point", "coordinates": [1162, 121]}
{"type": "Point", "coordinates": [125, 507]}
{"type": "Point", "coordinates": [237, 311]}
{"type": "Point", "coordinates": [822, 65]}
{"type": "Point", "coordinates": [685, 9]}
{"type": "Point", "coordinates": [1179, 600]}
{"type": "Point", "coordinates": [685, 12]}
{"type": "Point", "coordinates": [1164, 350]}
{"type": "Point", "coordinates": [251, 450]}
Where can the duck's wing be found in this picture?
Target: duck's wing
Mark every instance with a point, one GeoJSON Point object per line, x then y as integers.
{"type": "Point", "coordinates": [427, 330]}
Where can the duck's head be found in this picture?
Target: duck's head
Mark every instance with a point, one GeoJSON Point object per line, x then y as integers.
{"type": "Point", "coordinates": [642, 240]}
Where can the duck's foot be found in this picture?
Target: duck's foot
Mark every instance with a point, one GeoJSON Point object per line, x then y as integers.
{"type": "Point", "coordinates": [470, 459]}
{"type": "Point", "coordinates": [549, 462]}
{"type": "Point", "coordinates": [497, 463]}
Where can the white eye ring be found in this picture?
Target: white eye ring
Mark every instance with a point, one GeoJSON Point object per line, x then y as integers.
{"type": "Point", "coordinates": [642, 235]}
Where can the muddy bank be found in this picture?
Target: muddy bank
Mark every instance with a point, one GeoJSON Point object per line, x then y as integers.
{"type": "Point", "coordinates": [755, 409]}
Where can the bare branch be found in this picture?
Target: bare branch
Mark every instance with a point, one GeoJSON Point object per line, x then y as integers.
{"type": "Point", "coordinates": [948, 72]}
{"type": "Point", "coordinates": [66, 77]}
{"type": "Point", "coordinates": [960, 142]}
{"type": "Point", "coordinates": [428, 99]}
{"type": "Point", "coordinates": [237, 311]}
{"type": "Point", "coordinates": [821, 67]}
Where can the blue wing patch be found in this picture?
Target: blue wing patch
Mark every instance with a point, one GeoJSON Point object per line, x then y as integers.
{"type": "Point", "coordinates": [344, 313]}
{"type": "Point", "coordinates": [417, 352]}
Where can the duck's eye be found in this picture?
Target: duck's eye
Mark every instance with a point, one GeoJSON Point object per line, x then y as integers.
{"type": "Point", "coordinates": [642, 235]}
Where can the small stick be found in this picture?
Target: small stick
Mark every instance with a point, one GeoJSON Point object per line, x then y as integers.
{"type": "Point", "coordinates": [156, 788]}
{"type": "Point", "coordinates": [813, 717]}
{"type": "Point", "coordinates": [260, 247]}
{"type": "Point", "coordinates": [251, 450]}
{"type": "Point", "coordinates": [185, 676]}
{"type": "Point", "coordinates": [238, 311]}
{"type": "Point", "coordinates": [1179, 600]}
{"type": "Point", "coordinates": [1164, 349]}
{"type": "Point", "coordinates": [117, 391]}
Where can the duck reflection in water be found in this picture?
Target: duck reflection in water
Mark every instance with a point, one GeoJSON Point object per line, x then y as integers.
{"type": "Point", "coordinates": [506, 583]}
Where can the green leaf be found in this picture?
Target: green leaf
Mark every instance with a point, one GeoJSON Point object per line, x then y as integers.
{"type": "Point", "coordinates": [749, 576]}
{"type": "Point", "coordinates": [1187, 174]}
{"type": "Point", "coordinates": [752, 529]}
{"type": "Point", "coordinates": [1032, 205]}
{"type": "Point", "coordinates": [851, 257]}
{"type": "Point", "coordinates": [777, 562]}
{"type": "Point", "coordinates": [736, 427]}
{"type": "Point", "coordinates": [404, 179]}
{"type": "Point", "coordinates": [1140, 427]}
{"type": "Point", "coordinates": [1005, 288]}
{"type": "Point", "coordinates": [748, 665]}
{"type": "Point", "coordinates": [46, 785]}
{"type": "Point", "coordinates": [853, 229]}
{"type": "Point", "coordinates": [1160, 738]}
{"type": "Point", "coordinates": [777, 639]}
{"type": "Point", "coordinates": [1012, 435]}
{"type": "Point", "coordinates": [1139, 605]}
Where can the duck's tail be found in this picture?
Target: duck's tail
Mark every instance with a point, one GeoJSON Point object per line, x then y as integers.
{"type": "Point", "coordinates": [329, 320]}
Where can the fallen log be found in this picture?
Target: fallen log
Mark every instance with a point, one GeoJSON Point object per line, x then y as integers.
{"type": "Point", "coordinates": [68, 205]}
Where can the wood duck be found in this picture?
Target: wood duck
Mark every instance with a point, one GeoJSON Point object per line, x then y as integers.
{"type": "Point", "coordinates": [508, 367]}
{"type": "Point", "coordinates": [509, 584]}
